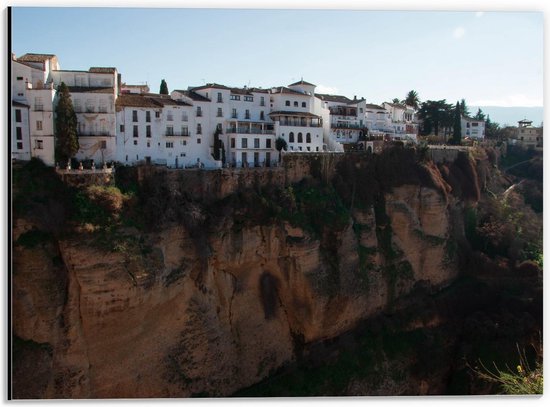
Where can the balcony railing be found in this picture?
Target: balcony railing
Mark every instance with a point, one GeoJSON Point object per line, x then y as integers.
{"type": "Point", "coordinates": [346, 126]}
{"type": "Point", "coordinates": [234, 115]}
{"type": "Point", "coordinates": [177, 134]}
{"type": "Point", "coordinates": [39, 108]}
{"type": "Point", "coordinates": [298, 123]}
{"type": "Point", "coordinates": [248, 130]}
{"type": "Point", "coordinates": [94, 133]}
{"type": "Point", "coordinates": [90, 109]}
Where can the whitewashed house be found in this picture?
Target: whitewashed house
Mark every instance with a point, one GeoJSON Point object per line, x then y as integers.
{"type": "Point", "coordinates": [32, 107]}
{"type": "Point", "coordinates": [93, 95]}
{"type": "Point", "coordinates": [346, 117]}
{"type": "Point", "coordinates": [472, 128]}
{"type": "Point", "coordinates": [403, 123]}
{"type": "Point", "coordinates": [377, 120]}
{"type": "Point", "coordinates": [298, 117]}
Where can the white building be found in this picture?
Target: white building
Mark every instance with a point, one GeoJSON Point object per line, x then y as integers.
{"type": "Point", "coordinates": [472, 128]}
{"type": "Point", "coordinates": [32, 107]}
{"type": "Point", "coordinates": [298, 117]}
{"type": "Point", "coordinates": [529, 136]}
{"type": "Point", "coordinates": [93, 94]}
{"type": "Point", "coordinates": [346, 117]}
{"type": "Point", "coordinates": [403, 123]}
{"type": "Point", "coordinates": [377, 120]}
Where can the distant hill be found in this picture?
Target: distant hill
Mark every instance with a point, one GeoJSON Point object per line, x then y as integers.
{"type": "Point", "coordinates": [511, 115]}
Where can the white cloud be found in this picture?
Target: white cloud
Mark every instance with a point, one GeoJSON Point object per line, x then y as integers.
{"type": "Point", "coordinates": [326, 89]}
{"type": "Point", "coordinates": [479, 14]}
{"type": "Point", "coordinates": [459, 32]}
{"type": "Point", "coordinates": [509, 101]}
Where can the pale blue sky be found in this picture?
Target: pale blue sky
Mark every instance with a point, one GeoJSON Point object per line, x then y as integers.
{"type": "Point", "coordinates": [491, 58]}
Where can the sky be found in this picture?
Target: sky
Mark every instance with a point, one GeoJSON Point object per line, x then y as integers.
{"type": "Point", "coordinates": [488, 58]}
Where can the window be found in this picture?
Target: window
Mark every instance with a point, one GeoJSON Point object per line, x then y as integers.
{"type": "Point", "coordinates": [232, 143]}
{"type": "Point", "coordinates": [184, 142]}
{"type": "Point", "coordinates": [19, 78]}
{"type": "Point", "coordinates": [291, 137]}
{"type": "Point", "coordinates": [233, 113]}
{"type": "Point", "coordinates": [19, 133]}
{"type": "Point", "coordinates": [20, 94]}
{"type": "Point", "coordinates": [39, 125]}
{"type": "Point", "coordinates": [157, 115]}
{"type": "Point", "coordinates": [136, 131]}
{"type": "Point", "coordinates": [148, 144]}
{"type": "Point", "coordinates": [148, 116]}
{"type": "Point", "coordinates": [102, 106]}
{"type": "Point", "coordinates": [303, 104]}
{"type": "Point", "coordinates": [104, 144]}
{"type": "Point", "coordinates": [90, 106]}
{"type": "Point", "coordinates": [170, 116]}
{"type": "Point", "coordinates": [20, 146]}
{"type": "Point", "coordinates": [184, 117]}
{"type": "Point", "coordinates": [38, 144]}
{"type": "Point", "coordinates": [169, 144]}
{"type": "Point", "coordinates": [244, 143]}
{"type": "Point", "coordinates": [148, 131]}
{"type": "Point", "coordinates": [248, 99]}
{"type": "Point", "coordinates": [295, 104]}
{"type": "Point", "coordinates": [169, 130]}
{"type": "Point", "coordinates": [184, 131]}
{"type": "Point", "coordinates": [268, 143]}
{"type": "Point", "coordinates": [308, 138]}
{"type": "Point", "coordinates": [247, 114]}
{"type": "Point", "coordinates": [220, 113]}
{"type": "Point", "coordinates": [135, 142]}
{"type": "Point", "coordinates": [199, 111]}
{"type": "Point", "coordinates": [475, 124]}
{"type": "Point", "coordinates": [18, 115]}
{"type": "Point", "coordinates": [38, 104]}
{"type": "Point", "coordinates": [287, 103]}
{"type": "Point", "coordinates": [300, 138]}
{"type": "Point", "coordinates": [234, 97]}
{"type": "Point", "coordinates": [262, 117]}
{"type": "Point", "coordinates": [198, 141]}
{"type": "Point", "coordinates": [256, 143]}
{"type": "Point", "coordinates": [77, 105]}
{"type": "Point", "coordinates": [262, 102]}
{"type": "Point", "coordinates": [122, 128]}
{"type": "Point", "coordinates": [134, 116]}
{"type": "Point", "coordinates": [220, 100]}
{"type": "Point", "coordinates": [199, 128]}
{"type": "Point", "coordinates": [361, 110]}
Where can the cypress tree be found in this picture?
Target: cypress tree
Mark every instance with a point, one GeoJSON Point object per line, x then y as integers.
{"type": "Point", "coordinates": [456, 126]}
{"type": "Point", "coordinates": [163, 88]}
{"type": "Point", "coordinates": [66, 143]}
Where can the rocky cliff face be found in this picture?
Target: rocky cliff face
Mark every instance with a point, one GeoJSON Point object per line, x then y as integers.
{"type": "Point", "coordinates": [217, 299]}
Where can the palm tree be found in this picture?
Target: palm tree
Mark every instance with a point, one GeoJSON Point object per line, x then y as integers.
{"type": "Point", "coordinates": [412, 99]}
{"type": "Point", "coordinates": [396, 101]}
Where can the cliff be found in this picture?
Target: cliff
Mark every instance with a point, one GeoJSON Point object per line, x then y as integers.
{"type": "Point", "coordinates": [204, 283]}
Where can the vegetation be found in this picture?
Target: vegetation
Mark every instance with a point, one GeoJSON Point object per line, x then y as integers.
{"type": "Point", "coordinates": [412, 99]}
{"type": "Point", "coordinates": [66, 143]}
{"type": "Point", "coordinates": [435, 115]}
{"type": "Point", "coordinates": [280, 144]}
{"type": "Point", "coordinates": [457, 130]}
{"type": "Point", "coordinates": [163, 88]}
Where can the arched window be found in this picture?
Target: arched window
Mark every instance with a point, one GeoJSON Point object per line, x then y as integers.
{"type": "Point", "coordinates": [291, 137]}
{"type": "Point", "coordinates": [300, 138]}
{"type": "Point", "coordinates": [308, 138]}
{"type": "Point", "coordinates": [303, 104]}
{"type": "Point", "coordinates": [287, 103]}
{"type": "Point", "coordinates": [295, 104]}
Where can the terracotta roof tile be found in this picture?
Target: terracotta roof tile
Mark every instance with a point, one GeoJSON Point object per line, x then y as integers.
{"type": "Point", "coordinates": [36, 57]}
{"type": "Point", "coordinates": [99, 69]}
{"type": "Point", "coordinates": [302, 82]}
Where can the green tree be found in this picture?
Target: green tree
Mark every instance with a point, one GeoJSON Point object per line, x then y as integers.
{"type": "Point", "coordinates": [163, 88]}
{"type": "Point", "coordinates": [479, 115]}
{"type": "Point", "coordinates": [464, 108]}
{"type": "Point", "coordinates": [457, 130]}
{"type": "Point", "coordinates": [492, 129]}
{"type": "Point", "coordinates": [435, 114]}
{"type": "Point", "coordinates": [66, 137]}
{"type": "Point", "coordinates": [280, 144]}
{"type": "Point", "coordinates": [219, 148]}
{"type": "Point", "coordinates": [396, 101]}
{"type": "Point", "coordinates": [412, 99]}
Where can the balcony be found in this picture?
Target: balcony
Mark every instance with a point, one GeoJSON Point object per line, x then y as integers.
{"type": "Point", "coordinates": [346, 126]}
{"type": "Point", "coordinates": [90, 109]}
{"type": "Point", "coordinates": [177, 134]}
{"type": "Point", "coordinates": [298, 123]}
{"type": "Point", "coordinates": [102, 133]}
{"type": "Point", "coordinates": [39, 108]}
{"type": "Point", "coordinates": [248, 130]}
{"type": "Point", "coordinates": [234, 115]}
